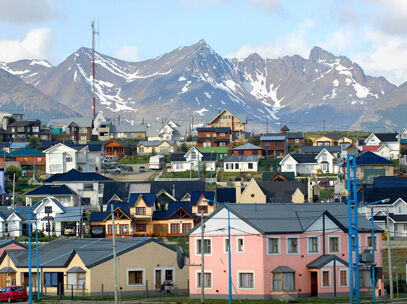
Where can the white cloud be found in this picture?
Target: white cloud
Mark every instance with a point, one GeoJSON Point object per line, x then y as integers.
{"type": "Point", "coordinates": [338, 41]}
{"type": "Point", "coordinates": [290, 44]}
{"type": "Point", "coordinates": [387, 56]}
{"type": "Point", "coordinates": [37, 44]}
{"type": "Point", "coordinates": [28, 11]}
{"type": "Point", "coordinates": [268, 5]}
{"type": "Point", "coordinates": [128, 53]}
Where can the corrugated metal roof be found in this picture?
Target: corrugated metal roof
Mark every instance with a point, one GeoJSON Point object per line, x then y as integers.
{"type": "Point", "coordinates": [240, 158]}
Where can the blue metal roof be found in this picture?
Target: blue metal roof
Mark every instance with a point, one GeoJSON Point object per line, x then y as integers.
{"type": "Point", "coordinates": [149, 198]}
{"type": "Point", "coordinates": [51, 190]}
{"type": "Point", "coordinates": [224, 195]}
{"type": "Point", "coordinates": [369, 158]}
{"type": "Point", "coordinates": [172, 208]}
{"type": "Point", "coordinates": [76, 176]}
{"type": "Point", "coordinates": [210, 195]}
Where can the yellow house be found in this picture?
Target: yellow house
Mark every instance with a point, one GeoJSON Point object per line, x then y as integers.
{"type": "Point", "coordinates": [85, 266]}
{"type": "Point", "coordinates": [156, 146]}
{"type": "Point", "coordinates": [272, 192]}
{"type": "Point", "coordinates": [331, 139]}
{"type": "Point", "coordinates": [225, 119]}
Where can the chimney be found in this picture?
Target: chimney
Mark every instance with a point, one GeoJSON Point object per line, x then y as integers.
{"type": "Point", "coordinates": [238, 192]}
{"type": "Point", "coordinates": [310, 191]}
{"type": "Point", "coordinates": [173, 190]}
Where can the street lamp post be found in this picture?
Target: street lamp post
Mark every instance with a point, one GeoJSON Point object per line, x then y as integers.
{"type": "Point", "coordinates": [29, 251]}
{"type": "Point", "coordinates": [230, 244]}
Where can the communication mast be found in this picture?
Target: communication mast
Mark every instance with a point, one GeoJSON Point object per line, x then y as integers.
{"type": "Point", "coordinates": [93, 69]}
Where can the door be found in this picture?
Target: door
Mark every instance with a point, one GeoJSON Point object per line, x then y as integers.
{"type": "Point", "coordinates": [158, 279]}
{"type": "Point", "coordinates": [314, 284]}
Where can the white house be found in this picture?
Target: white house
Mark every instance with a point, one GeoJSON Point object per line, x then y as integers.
{"type": "Point", "coordinates": [88, 185]}
{"type": "Point", "coordinates": [391, 140]}
{"type": "Point", "coordinates": [187, 161]}
{"type": "Point", "coordinates": [323, 162]}
{"type": "Point", "coordinates": [62, 158]}
{"type": "Point", "coordinates": [169, 130]}
{"type": "Point", "coordinates": [55, 219]}
{"type": "Point", "coordinates": [240, 163]}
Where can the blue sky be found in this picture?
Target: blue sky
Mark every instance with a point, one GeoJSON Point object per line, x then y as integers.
{"type": "Point", "coordinates": [370, 32]}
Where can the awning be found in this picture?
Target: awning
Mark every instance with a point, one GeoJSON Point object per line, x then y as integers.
{"type": "Point", "coordinates": [325, 259]}
{"type": "Point", "coordinates": [7, 270]}
{"type": "Point", "coordinates": [283, 269]}
{"type": "Point", "coordinates": [76, 270]}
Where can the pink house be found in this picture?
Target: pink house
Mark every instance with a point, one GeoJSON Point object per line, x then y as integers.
{"type": "Point", "coordinates": [295, 249]}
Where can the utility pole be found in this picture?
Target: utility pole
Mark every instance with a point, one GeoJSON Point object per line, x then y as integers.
{"type": "Point", "coordinates": [93, 68]}
{"type": "Point", "coordinates": [114, 256]}
{"type": "Point", "coordinates": [202, 258]}
{"type": "Point", "coordinates": [389, 256]}
{"type": "Point", "coordinates": [323, 123]}
{"type": "Point", "coordinates": [267, 124]}
{"type": "Point", "coordinates": [14, 183]}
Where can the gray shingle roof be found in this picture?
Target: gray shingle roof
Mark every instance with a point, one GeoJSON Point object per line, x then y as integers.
{"type": "Point", "coordinates": [128, 129]}
{"type": "Point", "coordinates": [317, 149]}
{"type": "Point", "coordinates": [248, 146]}
{"type": "Point", "coordinates": [277, 191]}
{"type": "Point", "coordinates": [305, 158]}
{"type": "Point", "coordinates": [93, 252]}
{"type": "Point", "coordinates": [322, 260]}
{"type": "Point", "coordinates": [272, 136]}
{"type": "Point", "coordinates": [281, 218]}
{"type": "Point", "coordinates": [283, 269]}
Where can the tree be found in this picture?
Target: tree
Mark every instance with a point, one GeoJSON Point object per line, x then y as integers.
{"type": "Point", "coordinates": [34, 142]}
{"type": "Point", "coordinates": [184, 147]}
{"type": "Point", "coordinates": [254, 140]}
{"type": "Point", "coordinates": [13, 170]}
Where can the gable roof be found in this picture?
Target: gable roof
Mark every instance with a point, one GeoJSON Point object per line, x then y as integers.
{"type": "Point", "coordinates": [149, 198]}
{"type": "Point", "coordinates": [322, 260]}
{"type": "Point", "coordinates": [51, 190]}
{"type": "Point", "coordinates": [317, 149]}
{"type": "Point", "coordinates": [369, 158]}
{"type": "Point", "coordinates": [334, 135]}
{"type": "Point", "coordinates": [26, 152]}
{"type": "Point", "coordinates": [293, 135]}
{"type": "Point", "coordinates": [272, 136]}
{"type": "Point", "coordinates": [272, 176]}
{"type": "Point", "coordinates": [241, 117]}
{"type": "Point", "coordinates": [240, 158]}
{"type": "Point", "coordinates": [74, 175]}
{"type": "Point", "coordinates": [277, 191]}
{"type": "Point", "coordinates": [371, 148]}
{"type": "Point", "coordinates": [248, 146]}
{"type": "Point", "coordinates": [210, 195]}
{"type": "Point", "coordinates": [154, 143]}
{"type": "Point", "coordinates": [214, 129]}
{"type": "Point", "coordinates": [173, 207]}
{"type": "Point", "coordinates": [291, 218]}
{"type": "Point", "coordinates": [386, 136]}
{"type": "Point", "coordinates": [92, 252]}
{"type": "Point", "coordinates": [226, 195]}
{"type": "Point", "coordinates": [304, 158]}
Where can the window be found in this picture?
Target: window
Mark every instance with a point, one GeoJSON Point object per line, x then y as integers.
{"type": "Point", "coordinates": [297, 140]}
{"type": "Point", "coordinates": [51, 279]}
{"type": "Point", "coordinates": [135, 277]}
{"type": "Point", "coordinates": [83, 130]}
{"type": "Point", "coordinates": [292, 245]}
{"type": "Point", "coordinates": [246, 280]}
{"type": "Point", "coordinates": [123, 229]}
{"type": "Point", "coordinates": [326, 278]}
{"type": "Point", "coordinates": [365, 279]}
{"type": "Point", "coordinates": [369, 241]}
{"type": "Point", "coordinates": [207, 246]}
{"type": "Point", "coordinates": [273, 245]}
{"type": "Point", "coordinates": [250, 165]}
{"type": "Point", "coordinates": [240, 244]}
{"type": "Point", "coordinates": [333, 244]}
{"type": "Point", "coordinates": [87, 187]}
{"type": "Point", "coordinates": [76, 280]}
{"type": "Point", "coordinates": [283, 281]}
{"type": "Point", "coordinates": [140, 210]}
{"type": "Point", "coordinates": [236, 165]}
{"type": "Point", "coordinates": [222, 134]}
{"type": "Point", "coordinates": [226, 245]}
{"type": "Point", "coordinates": [193, 155]}
{"type": "Point", "coordinates": [202, 208]}
{"type": "Point", "coordinates": [48, 209]}
{"type": "Point", "coordinates": [289, 167]}
{"type": "Point", "coordinates": [169, 275]}
{"type": "Point", "coordinates": [343, 278]}
{"type": "Point", "coordinates": [83, 138]}
{"type": "Point", "coordinates": [68, 159]}
{"type": "Point", "coordinates": [207, 280]}
{"type": "Point", "coordinates": [175, 228]}
{"type": "Point", "coordinates": [313, 244]}
{"type": "Point", "coordinates": [36, 129]}
{"type": "Point", "coordinates": [186, 227]}
{"type": "Point", "coordinates": [141, 227]}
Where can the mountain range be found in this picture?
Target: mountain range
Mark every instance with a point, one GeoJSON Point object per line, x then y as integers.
{"type": "Point", "coordinates": [194, 83]}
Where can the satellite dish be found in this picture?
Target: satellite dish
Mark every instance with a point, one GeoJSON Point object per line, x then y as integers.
{"type": "Point", "coordinates": [180, 257]}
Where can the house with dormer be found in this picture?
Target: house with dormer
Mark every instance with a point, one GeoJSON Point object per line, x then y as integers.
{"type": "Point", "coordinates": [391, 140]}
{"type": "Point", "coordinates": [225, 119]}
{"type": "Point", "coordinates": [312, 163]}
{"type": "Point", "coordinates": [191, 160]}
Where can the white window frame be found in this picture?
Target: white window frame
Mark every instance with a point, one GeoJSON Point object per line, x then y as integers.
{"type": "Point", "coordinates": [347, 277]}
{"type": "Point", "coordinates": [279, 245]}
{"type": "Point", "coordinates": [339, 243]}
{"type": "Point", "coordinates": [237, 244]}
{"type": "Point", "coordinates": [136, 269]}
{"type": "Point", "coordinates": [196, 246]}
{"type": "Point", "coordinates": [298, 245]}
{"type": "Point", "coordinates": [246, 271]}
{"type": "Point", "coordinates": [197, 281]}
{"type": "Point", "coordinates": [224, 245]}
{"type": "Point", "coordinates": [376, 241]}
{"type": "Point", "coordinates": [319, 244]}
{"type": "Point", "coordinates": [163, 269]}
{"type": "Point", "coordinates": [330, 277]}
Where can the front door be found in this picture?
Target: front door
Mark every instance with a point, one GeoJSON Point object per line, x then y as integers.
{"type": "Point", "coordinates": [158, 279]}
{"type": "Point", "coordinates": [314, 284]}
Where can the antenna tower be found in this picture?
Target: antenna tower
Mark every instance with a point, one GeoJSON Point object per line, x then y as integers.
{"type": "Point", "coordinates": [93, 69]}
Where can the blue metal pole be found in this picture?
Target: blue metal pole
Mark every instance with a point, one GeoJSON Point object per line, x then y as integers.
{"type": "Point", "coordinates": [38, 262]}
{"type": "Point", "coordinates": [211, 168]}
{"type": "Point", "coordinates": [199, 169]}
{"type": "Point", "coordinates": [29, 258]}
{"type": "Point", "coordinates": [373, 266]}
{"type": "Point", "coordinates": [356, 232]}
{"type": "Point", "coordinates": [349, 230]}
{"type": "Point", "coordinates": [34, 172]}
